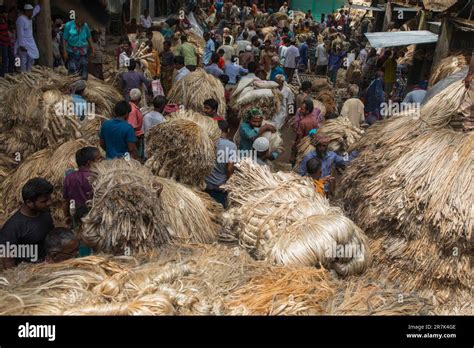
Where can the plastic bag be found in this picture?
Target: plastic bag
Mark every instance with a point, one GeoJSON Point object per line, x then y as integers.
{"type": "Point", "coordinates": [157, 88]}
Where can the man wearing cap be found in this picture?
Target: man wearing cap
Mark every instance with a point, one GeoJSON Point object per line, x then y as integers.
{"type": "Point", "coordinates": [135, 119]}
{"type": "Point", "coordinates": [25, 42]}
{"type": "Point", "coordinates": [246, 57]}
{"type": "Point", "coordinates": [262, 146]}
{"type": "Point", "coordinates": [328, 158]}
{"type": "Point", "coordinates": [76, 41]}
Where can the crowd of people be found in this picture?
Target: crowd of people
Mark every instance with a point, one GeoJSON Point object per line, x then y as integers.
{"type": "Point", "coordinates": [236, 50]}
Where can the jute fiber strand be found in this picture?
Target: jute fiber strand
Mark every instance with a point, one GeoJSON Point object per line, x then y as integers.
{"type": "Point", "coordinates": [195, 88]}
{"type": "Point", "coordinates": [182, 150]}
{"type": "Point", "coordinates": [174, 280]}
{"type": "Point", "coordinates": [280, 217]}
{"type": "Point", "coordinates": [125, 212]}
{"type": "Point", "coordinates": [205, 122]}
{"type": "Point", "coordinates": [190, 216]}
{"type": "Point", "coordinates": [284, 291]}
{"type": "Point", "coordinates": [410, 188]}
{"type": "Point", "coordinates": [448, 66]}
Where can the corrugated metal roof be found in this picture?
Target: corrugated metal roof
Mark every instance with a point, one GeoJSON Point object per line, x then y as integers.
{"type": "Point", "coordinates": [400, 38]}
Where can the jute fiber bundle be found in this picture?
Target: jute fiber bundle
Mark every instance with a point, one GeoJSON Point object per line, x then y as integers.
{"type": "Point", "coordinates": [281, 218]}
{"type": "Point", "coordinates": [354, 72]}
{"type": "Point", "coordinates": [190, 216]}
{"type": "Point", "coordinates": [341, 78]}
{"type": "Point", "coordinates": [341, 132]}
{"type": "Point", "coordinates": [157, 40]}
{"type": "Point", "coordinates": [45, 119]}
{"type": "Point", "coordinates": [195, 88]}
{"type": "Point", "coordinates": [327, 98]}
{"type": "Point", "coordinates": [276, 17]}
{"type": "Point", "coordinates": [125, 213]}
{"type": "Point", "coordinates": [39, 164]}
{"type": "Point", "coordinates": [448, 66]}
{"type": "Point", "coordinates": [409, 182]}
{"type": "Point", "coordinates": [205, 122]}
{"type": "Point", "coordinates": [182, 150]}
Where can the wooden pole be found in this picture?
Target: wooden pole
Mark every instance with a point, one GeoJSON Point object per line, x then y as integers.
{"type": "Point", "coordinates": [44, 33]}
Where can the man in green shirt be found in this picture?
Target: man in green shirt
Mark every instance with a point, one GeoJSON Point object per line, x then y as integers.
{"type": "Point", "coordinates": [188, 52]}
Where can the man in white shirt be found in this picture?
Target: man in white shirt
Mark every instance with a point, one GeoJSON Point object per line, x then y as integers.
{"type": "Point", "coordinates": [145, 20]}
{"type": "Point", "coordinates": [363, 55]}
{"type": "Point", "coordinates": [353, 109]}
{"type": "Point", "coordinates": [155, 116]}
{"type": "Point", "coordinates": [288, 99]}
{"type": "Point", "coordinates": [25, 42]}
{"type": "Point", "coordinates": [322, 57]}
{"type": "Point", "coordinates": [182, 71]}
{"type": "Point", "coordinates": [292, 56]}
{"type": "Point", "coordinates": [242, 44]}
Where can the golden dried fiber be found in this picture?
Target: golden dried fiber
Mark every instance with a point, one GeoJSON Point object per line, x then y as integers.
{"type": "Point", "coordinates": [448, 66]}
{"type": "Point", "coordinates": [125, 215]}
{"type": "Point", "coordinates": [281, 218]}
{"type": "Point", "coordinates": [182, 150]}
{"type": "Point", "coordinates": [195, 88]}
{"type": "Point", "coordinates": [205, 122]}
{"type": "Point", "coordinates": [409, 188]}
{"type": "Point", "coordinates": [189, 216]}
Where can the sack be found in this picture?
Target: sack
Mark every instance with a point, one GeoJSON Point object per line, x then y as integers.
{"type": "Point", "coordinates": [157, 88]}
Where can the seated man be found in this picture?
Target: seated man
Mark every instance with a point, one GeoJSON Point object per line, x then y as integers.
{"type": "Point", "coordinates": [29, 225]}
{"type": "Point", "coordinates": [60, 245]}
{"type": "Point", "coordinates": [80, 104]}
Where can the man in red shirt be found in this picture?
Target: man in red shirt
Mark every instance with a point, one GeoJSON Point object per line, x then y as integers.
{"type": "Point", "coordinates": [210, 109]}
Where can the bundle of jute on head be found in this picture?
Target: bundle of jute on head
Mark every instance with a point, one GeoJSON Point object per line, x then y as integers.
{"type": "Point", "coordinates": [205, 122]}
{"type": "Point", "coordinates": [448, 66]}
{"type": "Point", "coordinates": [125, 214]}
{"type": "Point", "coordinates": [341, 132]}
{"type": "Point", "coordinates": [354, 72]}
{"type": "Point", "coordinates": [409, 188]}
{"type": "Point", "coordinates": [195, 88]}
{"type": "Point", "coordinates": [190, 216]}
{"type": "Point", "coordinates": [48, 119]}
{"type": "Point", "coordinates": [182, 150]}
{"type": "Point", "coordinates": [250, 94]}
{"type": "Point", "coordinates": [281, 218]}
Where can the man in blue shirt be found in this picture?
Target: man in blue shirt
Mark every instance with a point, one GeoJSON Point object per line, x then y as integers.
{"type": "Point", "coordinates": [213, 69]}
{"type": "Point", "coordinates": [277, 69]}
{"type": "Point", "coordinates": [328, 158]}
{"type": "Point", "coordinates": [303, 63]}
{"type": "Point", "coordinates": [209, 49]}
{"type": "Point", "coordinates": [80, 104]}
{"type": "Point", "coordinates": [234, 70]}
{"type": "Point", "coordinates": [76, 41]}
{"type": "Point", "coordinates": [117, 136]}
